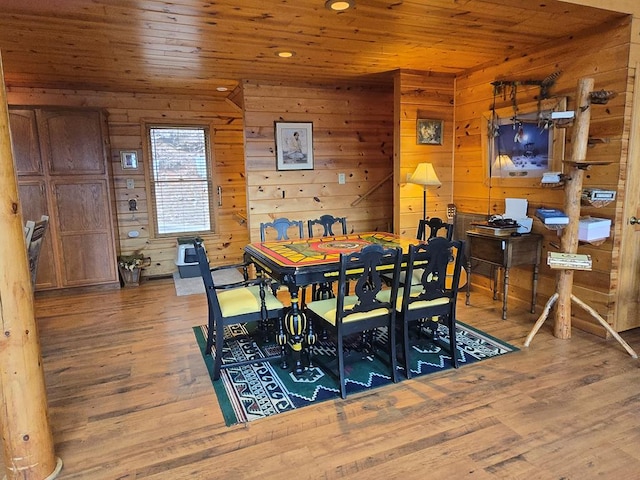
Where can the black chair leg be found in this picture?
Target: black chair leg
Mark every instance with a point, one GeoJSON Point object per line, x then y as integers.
{"type": "Point", "coordinates": [391, 338]}
{"type": "Point", "coordinates": [341, 373]}
{"type": "Point", "coordinates": [453, 345]}
{"type": "Point", "coordinates": [405, 343]}
{"type": "Point", "coordinates": [310, 341]}
{"type": "Point", "coordinates": [210, 332]}
{"type": "Point", "coordinates": [281, 339]}
{"type": "Point", "coordinates": [217, 361]}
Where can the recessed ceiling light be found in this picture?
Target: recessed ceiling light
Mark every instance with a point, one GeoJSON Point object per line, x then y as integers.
{"type": "Point", "coordinates": [222, 89]}
{"type": "Point", "coordinates": [339, 5]}
{"type": "Point", "coordinates": [285, 54]}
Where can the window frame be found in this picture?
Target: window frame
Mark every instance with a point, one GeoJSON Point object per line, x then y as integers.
{"type": "Point", "coordinates": [151, 184]}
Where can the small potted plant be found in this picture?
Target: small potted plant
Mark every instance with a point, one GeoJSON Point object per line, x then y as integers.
{"type": "Point", "coordinates": [130, 267]}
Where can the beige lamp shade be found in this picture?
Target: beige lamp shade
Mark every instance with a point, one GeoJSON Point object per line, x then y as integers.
{"type": "Point", "coordinates": [425, 175]}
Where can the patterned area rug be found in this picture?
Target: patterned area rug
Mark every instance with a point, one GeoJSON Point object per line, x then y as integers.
{"type": "Point", "coordinates": [251, 392]}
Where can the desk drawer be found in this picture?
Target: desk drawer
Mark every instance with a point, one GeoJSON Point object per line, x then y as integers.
{"type": "Point", "coordinates": [488, 250]}
{"type": "Point", "coordinates": [523, 253]}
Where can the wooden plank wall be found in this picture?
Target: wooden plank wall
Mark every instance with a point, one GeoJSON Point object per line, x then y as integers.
{"type": "Point", "coordinates": [426, 96]}
{"type": "Point", "coordinates": [352, 133]}
{"type": "Point", "coordinates": [602, 56]}
{"type": "Point", "coordinates": [126, 116]}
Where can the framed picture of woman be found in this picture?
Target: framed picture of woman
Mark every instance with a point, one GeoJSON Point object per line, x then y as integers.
{"type": "Point", "coordinates": [294, 145]}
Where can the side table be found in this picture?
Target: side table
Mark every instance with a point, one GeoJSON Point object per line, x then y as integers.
{"type": "Point", "coordinates": [505, 252]}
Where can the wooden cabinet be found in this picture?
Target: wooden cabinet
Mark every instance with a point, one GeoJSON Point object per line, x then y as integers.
{"type": "Point", "coordinates": [63, 173]}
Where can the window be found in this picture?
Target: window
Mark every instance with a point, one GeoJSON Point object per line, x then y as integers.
{"type": "Point", "coordinates": [180, 179]}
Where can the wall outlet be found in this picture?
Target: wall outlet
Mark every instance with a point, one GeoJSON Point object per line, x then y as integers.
{"type": "Point", "coordinates": [130, 184]}
{"type": "Point", "coordinates": [342, 178]}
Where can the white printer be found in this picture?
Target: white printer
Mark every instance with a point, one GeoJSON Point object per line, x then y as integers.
{"type": "Point", "coordinates": [516, 209]}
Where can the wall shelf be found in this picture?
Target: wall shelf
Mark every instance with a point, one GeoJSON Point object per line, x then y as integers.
{"type": "Point", "coordinates": [584, 165]}
{"type": "Point", "coordinates": [595, 203]}
{"type": "Point", "coordinates": [595, 242]}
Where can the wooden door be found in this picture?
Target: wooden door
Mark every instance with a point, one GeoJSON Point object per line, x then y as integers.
{"type": "Point", "coordinates": [24, 141]}
{"type": "Point", "coordinates": [74, 152]}
{"type": "Point", "coordinates": [84, 232]}
{"type": "Point", "coordinates": [72, 142]}
{"type": "Point", "coordinates": [628, 281]}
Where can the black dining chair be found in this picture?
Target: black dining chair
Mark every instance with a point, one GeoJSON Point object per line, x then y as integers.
{"type": "Point", "coordinates": [283, 227]}
{"type": "Point", "coordinates": [249, 301]}
{"type": "Point", "coordinates": [323, 226]}
{"type": "Point", "coordinates": [433, 299]}
{"type": "Point", "coordinates": [346, 315]}
{"type": "Point", "coordinates": [434, 225]}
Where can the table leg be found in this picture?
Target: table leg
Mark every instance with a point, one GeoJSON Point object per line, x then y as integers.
{"type": "Point", "coordinates": [534, 291]}
{"type": "Point", "coordinates": [468, 281]}
{"type": "Point", "coordinates": [495, 271]}
{"type": "Point", "coordinates": [505, 292]}
{"type": "Point", "coordinates": [296, 323]}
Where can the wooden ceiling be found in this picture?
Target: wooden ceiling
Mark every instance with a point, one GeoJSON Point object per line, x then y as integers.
{"type": "Point", "coordinates": [192, 47]}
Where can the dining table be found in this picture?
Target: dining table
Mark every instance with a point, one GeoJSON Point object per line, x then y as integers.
{"type": "Point", "coordinates": [301, 262]}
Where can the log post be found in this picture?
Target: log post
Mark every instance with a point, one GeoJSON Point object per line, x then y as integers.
{"type": "Point", "coordinates": [26, 434]}
{"type": "Point", "coordinates": [573, 193]}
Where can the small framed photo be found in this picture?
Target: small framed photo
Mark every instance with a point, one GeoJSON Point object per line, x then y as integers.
{"type": "Point", "coordinates": [429, 132]}
{"type": "Point", "coordinates": [129, 159]}
{"type": "Point", "coordinates": [294, 145]}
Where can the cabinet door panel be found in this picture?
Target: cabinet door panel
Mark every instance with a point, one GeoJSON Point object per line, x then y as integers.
{"type": "Point", "coordinates": [86, 240]}
{"type": "Point", "coordinates": [34, 204]}
{"type": "Point", "coordinates": [82, 206]}
{"type": "Point", "coordinates": [24, 140]}
{"type": "Point", "coordinates": [72, 142]}
{"type": "Point", "coordinates": [86, 261]}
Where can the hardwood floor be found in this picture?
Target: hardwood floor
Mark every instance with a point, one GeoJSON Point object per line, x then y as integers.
{"type": "Point", "coordinates": [130, 398]}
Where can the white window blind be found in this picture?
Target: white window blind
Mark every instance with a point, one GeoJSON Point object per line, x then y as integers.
{"type": "Point", "coordinates": [181, 184]}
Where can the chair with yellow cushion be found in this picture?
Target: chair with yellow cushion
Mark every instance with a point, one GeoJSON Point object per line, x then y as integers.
{"type": "Point", "coordinates": [433, 299]}
{"type": "Point", "coordinates": [249, 300]}
{"type": "Point", "coordinates": [427, 229]}
{"type": "Point", "coordinates": [347, 315]}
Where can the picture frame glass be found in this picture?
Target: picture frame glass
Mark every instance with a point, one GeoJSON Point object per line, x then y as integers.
{"type": "Point", "coordinates": [429, 132]}
{"type": "Point", "coordinates": [520, 148]}
{"type": "Point", "coordinates": [294, 145]}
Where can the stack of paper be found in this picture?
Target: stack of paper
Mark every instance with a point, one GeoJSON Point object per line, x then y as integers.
{"type": "Point", "coordinates": [552, 216]}
{"type": "Point", "coordinates": [571, 261]}
{"type": "Point", "coordinates": [591, 229]}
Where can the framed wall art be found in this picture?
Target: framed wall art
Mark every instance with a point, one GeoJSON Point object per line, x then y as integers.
{"type": "Point", "coordinates": [294, 145]}
{"type": "Point", "coordinates": [524, 145]}
{"type": "Point", "coordinates": [129, 159]}
{"type": "Point", "coordinates": [429, 132]}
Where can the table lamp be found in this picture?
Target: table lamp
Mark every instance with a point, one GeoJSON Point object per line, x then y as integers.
{"type": "Point", "coordinates": [426, 176]}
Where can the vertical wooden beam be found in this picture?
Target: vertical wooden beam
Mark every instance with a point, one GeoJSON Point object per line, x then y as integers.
{"type": "Point", "coordinates": [573, 193]}
{"type": "Point", "coordinates": [26, 434]}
